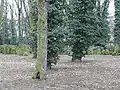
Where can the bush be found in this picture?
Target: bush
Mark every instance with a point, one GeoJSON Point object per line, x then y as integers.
{"type": "Point", "coordinates": [94, 52]}
{"type": "Point", "coordinates": [23, 50]}
{"type": "Point", "coordinates": [109, 51]}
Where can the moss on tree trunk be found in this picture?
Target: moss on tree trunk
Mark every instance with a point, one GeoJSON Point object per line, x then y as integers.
{"type": "Point", "coordinates": [39, 72]}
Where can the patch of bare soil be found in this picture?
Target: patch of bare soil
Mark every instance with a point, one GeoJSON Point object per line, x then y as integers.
{"type": "Point", "coordinates": [93, 73]}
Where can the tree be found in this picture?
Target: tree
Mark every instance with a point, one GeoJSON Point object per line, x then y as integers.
{"type": "Point", "coordinates": [38, 73]}
{"type": "Point", "coordinates": [54, 23]}
{"type": "Point", "coordinates": [5, 25]}
{"type": "Point", "coordinates": [1, 11]}
{"type": "Point", "coordinates": [102, 32]}
{"type": "Point", "coordinates": [9, 30]}
{"type": "Point", "coordinates": [117, 23]}
{"type": "Point", "coordinates": [0, 15]}
{"type": "Point", "coordinates": [1, 19]}
{"type": "Point", "coordinates": [81, 20]}
{"type": "Point", "coordinates": [55, 30]}
{"type": "Point", "coordinates": [19, 7]}
{"type": "Point", "coordinates": [12, 26]}
{"type": "Point", "coordinates": [33, 16]}
{"type": "Point", "coordinates": [45, 40]}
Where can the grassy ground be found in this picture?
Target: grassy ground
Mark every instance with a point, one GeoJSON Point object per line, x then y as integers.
{"type": "Point", "coordinates": [94, 73]}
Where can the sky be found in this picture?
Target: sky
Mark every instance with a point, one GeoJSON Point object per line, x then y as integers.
{"type": "Point", "coordinates": [111, 9]}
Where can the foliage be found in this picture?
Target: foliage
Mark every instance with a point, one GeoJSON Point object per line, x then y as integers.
{"type": "Point", "coordinates": [117, 22]}
{"type": "Point", "coordinates": [73, 26]}
{"type": "Point", "coordinates": [81, 23]}
{"type": "Point", "coordinates": [24, 50]}
{"type": "Point", "coordinates": [33, 16]}
{"type": "Point", "coordinates": [1, 14]}
{"type": "Point", "coordinates": [9, 33]}
{"type": "Point", "coordinates": [112, 50]}
{"type": "Point", "coordinates": [102, 26]}
{"type": "Point", "coordinates": [88, 26]}
{"type": "Point", "coordinates": [55, 30]}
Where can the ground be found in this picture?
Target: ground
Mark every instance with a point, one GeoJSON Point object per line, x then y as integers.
{"type": "Point", "coordinates": [94, 73]}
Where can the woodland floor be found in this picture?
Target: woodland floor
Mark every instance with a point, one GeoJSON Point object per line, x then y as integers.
{"type": "Point", "coordinates": [94, 73]}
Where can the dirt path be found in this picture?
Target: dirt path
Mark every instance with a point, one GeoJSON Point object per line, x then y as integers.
{"type": "Point", "coordinates": [94, 73]}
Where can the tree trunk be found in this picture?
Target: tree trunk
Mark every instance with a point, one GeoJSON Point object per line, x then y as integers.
{"type": "Point", "coordinates": [39, 72]}
{"type": "Point", "coordinates": [33, 18]}
{"type": "Point", "coordinates": [45, 39]}
{"type": "Point", "coordinates": [1, 20]}
{"type": "Point", "coordinates": [5, 25]}
{"type": "Point", "coordinates": [12, 26]}
{"type": "Point", "coordinates": [19, 6]}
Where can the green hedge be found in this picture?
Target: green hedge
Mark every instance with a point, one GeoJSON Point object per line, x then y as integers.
{"type": "Point", "coordinates": [109, 51]}
{"type": "Point", "coordinates": [23, 50]}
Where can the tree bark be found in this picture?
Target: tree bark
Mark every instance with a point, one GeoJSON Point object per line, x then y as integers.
{"type": "Point", "coordinates": [39, 72]}
{"type": "Point", "coordinates": [19, 7]}
{"type": "Point", "coordinates": [45, 39]}
{"type": "Point", "coordinates": [12, 26]}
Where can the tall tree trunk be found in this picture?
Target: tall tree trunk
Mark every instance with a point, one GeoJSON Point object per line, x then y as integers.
{"type": "Point", "coordinates": [12, 26]}
{"type": "Point", "coordinates": [23, 27]}
{"type": "Point", "coordinates": [1, 13]}
{"type": "Point", "coordinates": [5, 24]}
{"type": "Point", "coordinates": [39, 72]}
{"type": "Point", "coordinates": [19, 26]}
{"type": "Point", "coordinates": [33, 18]}
{"type": "Point", "coordinates": [19, 7]}
{"type": "Point", "coordinates": [45, 39]}
{"type": "Point", "coordinates": [1, 22]}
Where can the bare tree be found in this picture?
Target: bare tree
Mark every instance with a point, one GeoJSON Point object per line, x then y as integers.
{"type": "Point", "coordinates": [12, 25]}
{"type": "Point", "coordinates": [19, 7]}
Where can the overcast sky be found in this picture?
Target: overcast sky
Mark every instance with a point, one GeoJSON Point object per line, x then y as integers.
{"type": "Point", "coordinates": [111, 9]}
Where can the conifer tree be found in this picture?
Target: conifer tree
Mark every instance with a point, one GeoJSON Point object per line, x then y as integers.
{"type": "Point", "coordinates": [117, 23]}
{"type": "Point", "coordinates": [55, 30]}
{"type": "Point", "coordinates": [81, 23]}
